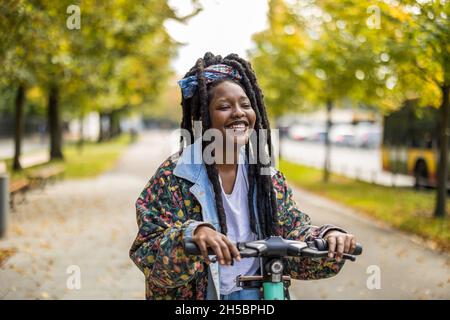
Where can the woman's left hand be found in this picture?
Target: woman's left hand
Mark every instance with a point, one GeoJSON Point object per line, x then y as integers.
{"type": "Point", "coordinates": [339, 243]}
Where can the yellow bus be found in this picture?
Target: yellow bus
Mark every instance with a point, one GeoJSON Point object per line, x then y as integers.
{"type": "Point", "coordinates": [410, 143]}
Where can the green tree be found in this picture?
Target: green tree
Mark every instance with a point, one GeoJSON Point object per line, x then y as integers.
{"type": "Point", "coordinates": [116, 61]}
{"type": "Point", "coordinates": [413, 37]}
{"type": "Point", "coordinates": [426, 62]}
{"type": "Point", "coordinates": [16, 48]}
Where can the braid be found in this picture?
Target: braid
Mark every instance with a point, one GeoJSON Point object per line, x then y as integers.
{"type": "Point", "coordinates": [197, 108]}
{"type": "Point", "coordinates": [186, 122]}
{"type": "Point", "coordinates": [211, 170]}
{"type": "Point", "coordinates": [189, 111]}
{"type": "Point", "coordinates": [251, 188]}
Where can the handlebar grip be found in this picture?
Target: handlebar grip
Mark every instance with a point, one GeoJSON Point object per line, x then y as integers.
{"type": "Point", "coordinates": [191, 249]}
{"type": "Point", "coordinates": [322, 245]}
{"type": "Point", "coordinates": [358, 250]}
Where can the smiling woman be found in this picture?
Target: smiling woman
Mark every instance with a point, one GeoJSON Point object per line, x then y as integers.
{"type": "Point", "coordinates": [220, 203]}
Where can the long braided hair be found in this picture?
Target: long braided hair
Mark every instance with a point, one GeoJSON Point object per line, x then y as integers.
{"type": "Point", "coordinates": [196, 108]}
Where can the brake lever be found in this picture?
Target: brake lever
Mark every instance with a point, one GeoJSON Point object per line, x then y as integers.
{"type": "Point", "coordinates": [245, 253]}
{"type": "Point", "coordinates": [347, 256]}
{"type": "Point", "coordinates": [322, 254]}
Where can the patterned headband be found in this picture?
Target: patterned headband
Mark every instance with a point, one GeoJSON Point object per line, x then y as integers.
{"type": "Point", "coordinates": [189, 84]}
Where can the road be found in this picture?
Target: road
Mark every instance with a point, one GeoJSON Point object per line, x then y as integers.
{"type": "Point", "coordinates": [85, 227]}
{"type": "Point", "coordinates": [364, 164]}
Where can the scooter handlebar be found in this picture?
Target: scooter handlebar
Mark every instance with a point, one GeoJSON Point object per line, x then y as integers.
{"type": "Point", "coordinates": [314, 249]}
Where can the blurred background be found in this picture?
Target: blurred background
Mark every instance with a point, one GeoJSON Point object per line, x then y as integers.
{"type": "Point", "coordinates": [89, 106]}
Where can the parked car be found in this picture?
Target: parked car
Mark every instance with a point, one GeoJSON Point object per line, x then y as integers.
{"type": "Point", "coordinates": [317, 133]}
{"type": "Point", "coordinates": [368, 135]}
{"type": "Point", "coordinates": [299, 132]}
{"type": "Point", "coordinates": [342, 135]}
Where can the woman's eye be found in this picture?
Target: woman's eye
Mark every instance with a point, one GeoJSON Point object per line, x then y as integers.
{"type": "Point", "coordinates": [246, 106]}
{"type": "Point", "coordinates": [223, 107]}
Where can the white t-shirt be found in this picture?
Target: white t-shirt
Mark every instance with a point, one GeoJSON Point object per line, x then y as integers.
{"type": "Point", "coordinates": [238, 224]}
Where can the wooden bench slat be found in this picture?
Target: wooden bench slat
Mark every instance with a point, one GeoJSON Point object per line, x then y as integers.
{"type": "Point", "coordinates": [18, 185]}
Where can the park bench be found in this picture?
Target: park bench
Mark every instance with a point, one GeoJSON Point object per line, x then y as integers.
{"type": "Point", "coordinates": [17, 187]}
{"type": "Point", "coordinates": [41, 176]}
{"type": "Point", "coordinates": [37, 177]}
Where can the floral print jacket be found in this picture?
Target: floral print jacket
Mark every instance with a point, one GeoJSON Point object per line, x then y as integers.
{"type": "Point", "coordinates": [176, 200]}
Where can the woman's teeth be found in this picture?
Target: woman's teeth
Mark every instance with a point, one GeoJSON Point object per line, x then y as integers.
{"type": "Point", "coordinates": [238, 128]}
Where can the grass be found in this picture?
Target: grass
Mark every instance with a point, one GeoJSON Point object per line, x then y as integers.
{"type": "Point", "coordinates": [90, 161]}
{"type": "Point", "coordinates": [94, 159]}
{"type": "Point", "coordinates": [402, 208]}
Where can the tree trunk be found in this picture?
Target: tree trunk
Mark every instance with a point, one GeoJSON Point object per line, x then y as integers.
{"type": "Point", "coordinates": [281, 134]}
{"type": "Point", "coordinates": [54, 124]}
{"type": "Point", "coordinates": [111, 124]}
{"type": "Point", "coordinates": [81, 134]}
{"type": "Point", "coordinates": [19, 123]}
{"type": "Point", "coordinates": [102, 130]}
{"type": "Point", "coordinates": [326, 164]}
{"type": "Point", "coordinates": [442, 172]}
{"type": "Point", "coordinates": [114, 123]}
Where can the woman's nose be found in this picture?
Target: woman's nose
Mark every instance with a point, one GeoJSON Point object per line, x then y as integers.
{"type": "Point", "coordinates": [238, 112]}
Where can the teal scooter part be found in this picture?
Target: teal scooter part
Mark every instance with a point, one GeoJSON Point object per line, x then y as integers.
{"type": "Point", "coordinates": [273, 290]}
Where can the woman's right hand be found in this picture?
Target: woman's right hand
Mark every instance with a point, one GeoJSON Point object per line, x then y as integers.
{"type": "Point", "coordinates": [223, 248]}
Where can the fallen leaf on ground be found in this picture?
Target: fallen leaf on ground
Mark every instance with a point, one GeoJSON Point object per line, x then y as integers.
{"type": "Point", "coordinates": [402, 253]}
{"type": "Point", "coordinates": [5, 254]}
{"type": "Point", "coordinates": [45, 244]}
{"type": "Point", "coordinates": [17, 230]}
{"type": "Point", "coordinates": [18, 269]}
